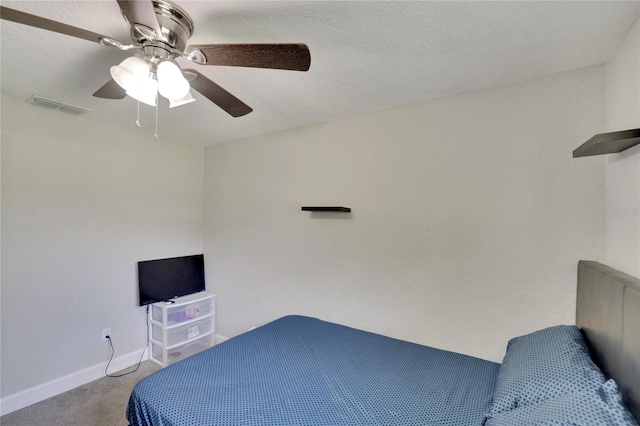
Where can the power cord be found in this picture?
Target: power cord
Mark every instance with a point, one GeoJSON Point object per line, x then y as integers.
{"type": "Point", "coordinates": [141, 355]}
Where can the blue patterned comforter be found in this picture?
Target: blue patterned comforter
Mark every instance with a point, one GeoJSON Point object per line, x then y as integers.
{"type": "Point", "coordinates": [303, 371]}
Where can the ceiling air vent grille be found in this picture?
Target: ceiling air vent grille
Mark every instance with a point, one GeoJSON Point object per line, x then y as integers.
{"type": "Point", "coordinates": [60, 106]}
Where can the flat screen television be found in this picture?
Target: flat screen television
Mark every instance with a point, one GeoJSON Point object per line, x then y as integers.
{"type": "Point", "coordinates": [166, 279]}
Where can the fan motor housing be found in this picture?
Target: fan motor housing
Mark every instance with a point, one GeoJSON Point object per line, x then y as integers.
{"type": "Point", "coordinates": [176, 25]}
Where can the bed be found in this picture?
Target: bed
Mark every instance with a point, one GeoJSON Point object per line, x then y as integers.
{"type": "Point", "coordinates": [299, 370]}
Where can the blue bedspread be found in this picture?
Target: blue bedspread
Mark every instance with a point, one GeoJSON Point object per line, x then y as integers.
{"type": "Point", "coordinates": [304, 371]}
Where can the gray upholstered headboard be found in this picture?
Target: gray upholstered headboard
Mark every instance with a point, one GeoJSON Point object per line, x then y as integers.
{"type": "Point", "coordinates": [608, 312]}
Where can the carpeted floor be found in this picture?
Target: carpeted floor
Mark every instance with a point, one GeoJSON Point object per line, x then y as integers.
{"type": "Point", "coordinates": [100, 403]}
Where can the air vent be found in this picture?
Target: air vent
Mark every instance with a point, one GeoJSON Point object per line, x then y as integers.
{"type": "Point", "coordinates": [60, 106]}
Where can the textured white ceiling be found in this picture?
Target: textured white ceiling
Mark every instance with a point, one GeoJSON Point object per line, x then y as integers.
{"type": "Point", "coordinates": [365, 56]}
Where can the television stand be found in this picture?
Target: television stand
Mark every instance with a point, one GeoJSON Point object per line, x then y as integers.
{"type": "Point", "coordinates": [181, 327]}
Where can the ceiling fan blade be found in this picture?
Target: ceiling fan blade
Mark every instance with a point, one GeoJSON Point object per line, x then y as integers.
{"type": "Point", "coordinates": [141, 15]}
{"type": "Point", "coordinates": [216, 94]}
{"type": "Point", "coordinates": [47, 24]}
{"type": "Point", "coordinates": [293, 57]}
{"type": "Point", "coordinates": [110, 90]}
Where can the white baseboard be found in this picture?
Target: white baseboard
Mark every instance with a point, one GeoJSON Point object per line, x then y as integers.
{"type": "Point", "coordinates": [220, 338]}
{"type": "Point", "coordinates": [57, 386]}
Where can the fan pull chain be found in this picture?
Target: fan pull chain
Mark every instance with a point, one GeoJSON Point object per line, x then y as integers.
{"type": "Point", "coordinates": [138, 117]}
{"type": "Point", "coordinates": [155, 136]}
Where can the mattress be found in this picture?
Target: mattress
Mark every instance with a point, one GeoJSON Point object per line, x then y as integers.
{"type": "Point", "coordinates": [303, 371]}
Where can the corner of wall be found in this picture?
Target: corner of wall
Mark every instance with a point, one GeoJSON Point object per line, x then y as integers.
{"type": "Point", "coordinates": [622, 182]}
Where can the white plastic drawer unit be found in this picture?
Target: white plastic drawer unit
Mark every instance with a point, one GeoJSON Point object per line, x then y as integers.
{"type": "Point", "coordinates": [182, 311]}
{"type": "Point", "coordinates": [181, 333]}
{"type": "Point", "coordinates": [181, 352]}
{"type": "Point", "coordinates": [182, 327]}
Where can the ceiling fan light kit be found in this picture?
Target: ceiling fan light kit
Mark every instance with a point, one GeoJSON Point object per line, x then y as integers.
{"type": "Point", "coordinates": [160, 30]}
{"type": "Point", "coordinates": [142, 79]}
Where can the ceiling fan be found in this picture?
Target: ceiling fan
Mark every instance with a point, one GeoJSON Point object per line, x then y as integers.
{"type": "Point", "coordinates": [159, 33]}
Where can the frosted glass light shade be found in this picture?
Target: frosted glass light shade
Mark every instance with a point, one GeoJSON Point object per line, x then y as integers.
{"type": "Point", "coordinates": [129, 72]}
{"type": "Point", "coordinates": [187, 99]}
{"type": "Point", "coordinates": [171, 82]}
{"type": "Point", "coordinates": [146, 91]}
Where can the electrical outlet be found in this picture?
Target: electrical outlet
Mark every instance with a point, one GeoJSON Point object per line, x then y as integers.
{"type": "Point", "coordinates": [106, 332]}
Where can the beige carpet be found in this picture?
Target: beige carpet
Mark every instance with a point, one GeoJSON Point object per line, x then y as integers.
{"type": "Point", "coordinates": [102, 402]}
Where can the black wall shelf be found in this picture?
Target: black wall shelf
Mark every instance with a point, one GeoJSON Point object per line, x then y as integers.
{"type": "Point", "coordinates": [608, 143]}
{"type": "Point", "coordinates": [327, 209]}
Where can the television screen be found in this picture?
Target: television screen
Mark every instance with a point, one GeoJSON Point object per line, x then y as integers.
{"type": "Point", "coordinates": [165, 279]}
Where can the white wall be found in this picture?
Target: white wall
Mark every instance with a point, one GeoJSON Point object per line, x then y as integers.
{"type": "Point", "coordinates": [82, 202]}
{"type": "Point", "coordinates": [622, 209]}
{"type": "Point", "coordinates": [469, 217]}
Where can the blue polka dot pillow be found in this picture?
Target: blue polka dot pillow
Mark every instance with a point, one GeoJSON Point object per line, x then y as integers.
{"type": "Point", "coordinates": [602, 406]}
{"type": "Point", "coordinates": [543, 365]}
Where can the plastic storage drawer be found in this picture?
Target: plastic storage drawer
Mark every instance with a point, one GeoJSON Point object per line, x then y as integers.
{"type": "Point", "coordinates": [182, 333]}
{"type": "Point", "coordinates": [183, 351]}
{"type": "Point", "coordinates": [182, 313]}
